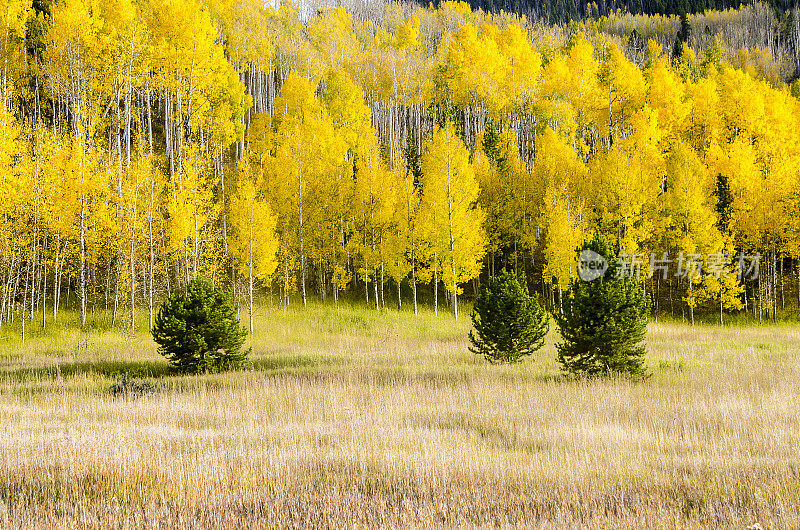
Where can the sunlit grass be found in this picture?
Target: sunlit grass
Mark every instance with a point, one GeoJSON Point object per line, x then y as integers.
{"type": "Point", "coordinates": [351, 416]}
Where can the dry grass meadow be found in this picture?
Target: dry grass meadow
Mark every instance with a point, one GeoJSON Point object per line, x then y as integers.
{"type": "Point", "coordinates": [354, 418]}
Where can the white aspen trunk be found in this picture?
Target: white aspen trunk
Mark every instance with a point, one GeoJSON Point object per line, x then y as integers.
{"type": "Point", "coordinates": [132, 255]}
{"type": "Point", "coordinates": [219, 163]}
{"type": "Point", "coordinates": [286, 283]}
{"type": "Point", "coordinates": [435, 283]}
{"type": "Point", "coordinates": [414, 282]}
{"type": "Point", "coordinates": [300, 228]}
{"type": "Point", "coordinates": [128, 96]}
{"type": "Point", "coordinates": [250, 275]}
{"type": "Point", "coordinates": [375, 285]}
{"type": "Point", "coordinates": [116, 294]}
{"type": "Point", "coordinates": [452, 241]}
{"type": "Point", "coordinates": [774, 287]}
{"type": "Point", "coordinates": [57, 266]}
{"type": "Point", "coordinates": [151, 244]}
{"type": "Point", "coordinates": [196, 242]}
{"type": "Point", "coordinates": [132, 263]}
{"type": "Point", "coordinates": [43, 291]}
{"type": "Point", "coordinates": [23, 308]}
{"type": "Point", "coordinates": [82, 243]}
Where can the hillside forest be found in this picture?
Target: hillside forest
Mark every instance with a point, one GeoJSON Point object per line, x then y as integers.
{"type": "Point", "coordinates": [389, 152]}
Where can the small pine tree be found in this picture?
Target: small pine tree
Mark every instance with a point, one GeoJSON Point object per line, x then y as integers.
{"type": "Point", "coordinates": [604, 321]}
{"type": "Point", "coordinates": [509, 323]}
{"type": "Point", "coordinates": [198, 331]}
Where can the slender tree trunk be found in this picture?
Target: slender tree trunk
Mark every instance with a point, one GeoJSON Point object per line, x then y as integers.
{"type": "Point", "coordinates": [300, 223]}
{"type": "Point", "coordinates": [760, 299]}
{"type": "Point", "coordinates": [82, 243]}
{"type": "Point", "coordinates": [435, 284]}
{"type": "Point", "coordinates": [57, 279]}
{"type": "Point", "coordinates": [250, 273]}
{"type": "Point", "coordinates": [414, 283]}
{"type": "Point", "coordinates": [132, 265]}
{"type": "Point", "coordinates": [452, 246]}
{"type": "Point", "coordinates": [44, 291]}
{"type": "Point", "coordinates": [23, 309]}
{"type": "Point", "coordinates": [383, 301]}
{"type": "Point", "coordinates": [375, 285]}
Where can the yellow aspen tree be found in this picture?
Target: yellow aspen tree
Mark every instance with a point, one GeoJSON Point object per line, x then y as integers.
{"type": "Point", "coordinates": [491, 199]}
{"type": "Point", "coordinates": [96, 224]}
{"type": "Point", "coordinates": [278, 187]}
{"type": "Point", "coordinates": [570, 85]}
{"type": "Point", "coordinates": [690, 203]}
{"type": "Point", "coordinates": [15, 203]}
{"type": "Point", "coordinates": [203, 96]}
{"type": "Point", "coordinates": [737, 161]}
{"type": "Point", "coordinates": [721, 291]}
{"type": "Point", "coordinates": [350, 117]}
{"type": "Point", "coordinates": [704, 114]}
{"type": "Point", "coordinates": [306, 150]}
{"type": "Point", "coordinates": [188, 210]}
{"type": "Point", "coordinates": [450, 194]}
{"type": "Point", "coordinates": [666, 96]}
{"type": "Point", "coordinates": [560, 174]}
{"type": "Point", "coordinates": [522, 80]}
{"type": "Point", "coordinates": [689, 209]}
{"type": "Point", "coordinates": [625, 87]}
{"type": "Point", "coordinates": [476, 67]}
{"type": "Point", "coordinates": [412, 229]}
{"type": "Point", "coordinates": [13, 17]}
{"type": "Point", "coordinates": [626, 183]}
{"type": "Point", "coordinates": [254, 243]}
{"type": "Point", "coordinates": [375, 196]}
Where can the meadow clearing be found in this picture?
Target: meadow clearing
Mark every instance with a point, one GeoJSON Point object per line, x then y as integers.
{"type": "Point", "coordinates": [359, 418]}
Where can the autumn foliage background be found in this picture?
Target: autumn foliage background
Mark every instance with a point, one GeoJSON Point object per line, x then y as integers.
{"type": "Point", "coordinates": [329, 151]}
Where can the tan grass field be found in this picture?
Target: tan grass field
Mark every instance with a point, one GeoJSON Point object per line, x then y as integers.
{"type": "Point", "coordinates": [354, 418]}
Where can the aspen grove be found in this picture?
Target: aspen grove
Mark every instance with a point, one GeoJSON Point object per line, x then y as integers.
{"type": "Point", "coordinates": [387, 151]}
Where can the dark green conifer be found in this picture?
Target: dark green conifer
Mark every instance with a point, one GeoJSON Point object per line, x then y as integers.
{"type": "Point", "coordinates": [604, 320]}
{"type": "Point", "coordinates": [509, 323]}
{"type": "Point", "coordinates": [198, 331]}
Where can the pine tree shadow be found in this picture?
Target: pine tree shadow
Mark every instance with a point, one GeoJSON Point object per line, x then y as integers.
{"type": "Point", "coordinates": [139, 369]}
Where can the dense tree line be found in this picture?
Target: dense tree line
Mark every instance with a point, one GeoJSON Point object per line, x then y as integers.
{"type": "Point", "coordinates": [564, 11]}
{"type": "Point", "coordinates": [147, 142]}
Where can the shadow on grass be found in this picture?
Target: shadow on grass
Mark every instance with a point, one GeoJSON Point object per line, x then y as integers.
{"type": "Point", "coordinates": [154, 369]}
{"type": "Point", "coordinates": [282, 363]}
{"type": "Point", "coordinates": [293, 363]}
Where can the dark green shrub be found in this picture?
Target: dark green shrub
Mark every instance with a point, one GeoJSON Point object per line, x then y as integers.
{"type": "Point", "coordinates": [131, 388]}
{"type": "Point", "coordinates": [198, 331]}
{"type": "Point", "coordinates": [604, 320]}
{"type": "Point", "coordinates": [509, 323]}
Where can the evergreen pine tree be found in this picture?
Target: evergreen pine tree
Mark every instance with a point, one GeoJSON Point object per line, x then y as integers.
{"type": "Point", "coordinates": [509, 323]}
{"type": "Point", "coordinates": [604, 321]}
{"type": "Point", "coordinates": [198, 331]}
